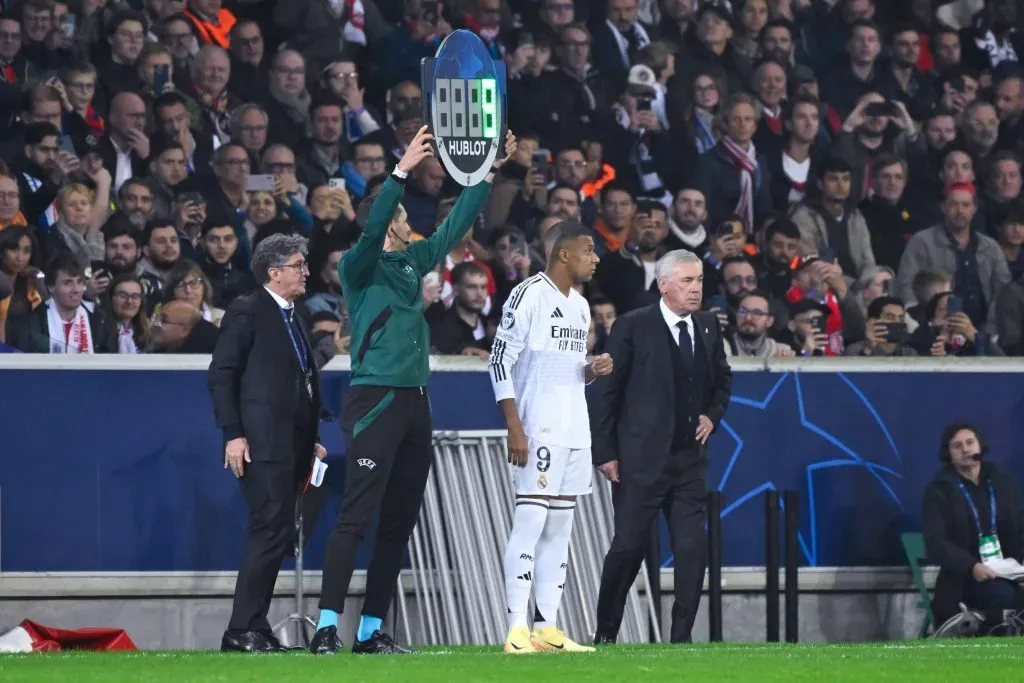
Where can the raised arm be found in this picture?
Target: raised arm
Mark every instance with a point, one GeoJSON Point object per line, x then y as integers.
{"type": "Point", "coordinates": [359, 261]}
{"type": "Point", "coordinates": [429, 252]}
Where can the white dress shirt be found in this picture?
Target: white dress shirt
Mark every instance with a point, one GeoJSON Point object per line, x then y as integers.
{"type": "Point", "coordinates": [673, 320]}
{"type": "Point", "coordinates": [286, 305]}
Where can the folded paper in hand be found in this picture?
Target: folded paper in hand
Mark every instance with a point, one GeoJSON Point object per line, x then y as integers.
{"type": "Point", "coordinates": [319, 469]}
{"type": "Point", "coordinates": [1007, 568]}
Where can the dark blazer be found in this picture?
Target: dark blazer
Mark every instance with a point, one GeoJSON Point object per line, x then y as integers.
{"type": "Point", "coordinates": [255, 380]}
{"type": "Point", "coordinates": [950, 535]}
{"type": "Point", "coordinates": [31, 333]}
{"type": "Point", "coordinates": [633, 412]}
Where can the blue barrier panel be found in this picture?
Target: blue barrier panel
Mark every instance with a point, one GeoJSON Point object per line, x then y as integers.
{"type": "Point", "coordinates": [104, 470]}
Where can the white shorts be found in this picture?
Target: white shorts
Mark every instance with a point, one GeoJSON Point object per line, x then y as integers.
{"type": "Point", "coordinates": [554, 471]}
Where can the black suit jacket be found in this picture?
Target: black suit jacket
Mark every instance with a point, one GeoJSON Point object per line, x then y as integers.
{"type": "Point", "coordinates": [253, 381]}
{"type": "Point", "coordinates": [633, 411]}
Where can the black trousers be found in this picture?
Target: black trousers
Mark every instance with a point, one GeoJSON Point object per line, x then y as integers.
{"type": "Point", "coordinates": [271, 490]}
{"type": "Point", "coordinates": [681, 493]}
{"type": "Point", "coordinates": [390, 449]}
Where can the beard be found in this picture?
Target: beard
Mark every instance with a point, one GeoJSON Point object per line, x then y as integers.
{"type": "Point", "coordinates": [747, 335]}
{"type": "Point", "coordinates": [162, 264]}
{"type": "Point", "coordinates": [647, 243]}
{"type": "Point", "coordinates": [121, 267]}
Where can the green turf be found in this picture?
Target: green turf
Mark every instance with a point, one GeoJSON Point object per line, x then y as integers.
{"type": "Point", "coordinates": [929, 661]}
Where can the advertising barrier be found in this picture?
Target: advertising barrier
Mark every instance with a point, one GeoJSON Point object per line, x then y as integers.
{"type": "Point", "coordinates": [114, 464]}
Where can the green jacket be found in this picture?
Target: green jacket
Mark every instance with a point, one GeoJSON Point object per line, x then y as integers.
{"type": "Point", "coordinates": [390, 337]}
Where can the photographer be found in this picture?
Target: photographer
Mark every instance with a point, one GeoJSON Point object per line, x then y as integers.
{"type": "Point", "coordinates": [885, 330]}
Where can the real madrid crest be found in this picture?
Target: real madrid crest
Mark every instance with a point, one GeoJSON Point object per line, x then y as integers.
{"type": "Point", "coordinates": [542, 481]}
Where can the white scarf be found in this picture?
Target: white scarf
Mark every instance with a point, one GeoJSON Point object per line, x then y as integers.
{"type": "Point", "coordinates": [642, 40]}
{"type": "Point", "coordinates": [126, 339]}
{"type": "Point", "coordinates": [80, 339]}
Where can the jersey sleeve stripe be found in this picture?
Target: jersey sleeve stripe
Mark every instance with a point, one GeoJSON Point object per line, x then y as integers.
{"type": "Point", "coordinates": [526, 284]}
{"type": "Point", "coordinates": [497, 351]}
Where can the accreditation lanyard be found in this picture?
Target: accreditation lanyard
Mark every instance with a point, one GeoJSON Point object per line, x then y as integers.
{"type": "Point", "coordinates": [301, 352]}
{"type": "Point", "coordinates": [974, 509]}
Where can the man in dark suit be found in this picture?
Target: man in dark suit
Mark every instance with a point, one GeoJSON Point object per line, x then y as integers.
{"type": "Point", "coordinates": [651, 421]}
{"type": "Point", "coordinates": [266, 399]}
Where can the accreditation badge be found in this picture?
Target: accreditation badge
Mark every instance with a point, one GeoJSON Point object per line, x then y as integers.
{"type": "Point", "coordinates": [989, 548]}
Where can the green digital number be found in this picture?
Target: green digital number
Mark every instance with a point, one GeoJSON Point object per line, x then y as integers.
{"type": "Point", "coordinates": [489, 106]}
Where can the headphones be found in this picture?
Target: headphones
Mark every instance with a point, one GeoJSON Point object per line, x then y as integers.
{"type": "Point", "coordinates": [947, 436]}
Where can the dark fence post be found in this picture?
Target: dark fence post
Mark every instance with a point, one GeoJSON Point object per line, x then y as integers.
{"type": "Point", "coordinates": [715, 566]}
{"type": "Point", "coordinates": [792, 502]}
{"type": "Point", "coordinates": [771, 565]}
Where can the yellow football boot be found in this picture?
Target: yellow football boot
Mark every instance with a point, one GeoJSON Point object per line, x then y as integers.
{"type": "Point", "coordinates": [551, 639]}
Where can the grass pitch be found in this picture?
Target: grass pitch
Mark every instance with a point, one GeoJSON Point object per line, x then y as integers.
{"type": "Point", "coordinates": [928, 661]}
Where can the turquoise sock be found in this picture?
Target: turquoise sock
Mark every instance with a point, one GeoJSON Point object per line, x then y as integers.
{"type": "Point", "coordinates": [328, 617]}
{"type": "Point", "coordinates": [367, 625]}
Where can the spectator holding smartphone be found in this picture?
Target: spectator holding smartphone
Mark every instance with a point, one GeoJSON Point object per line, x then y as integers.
{"type": "Point", "coordinates": [949, 331]}
{"type": "Point", "coordinates": [885, 330]}
{"type": "Point", "coordinates": [808, 321]}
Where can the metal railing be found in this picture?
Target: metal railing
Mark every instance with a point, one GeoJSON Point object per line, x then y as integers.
{"type": "Point", "coordinates": [457, 548]}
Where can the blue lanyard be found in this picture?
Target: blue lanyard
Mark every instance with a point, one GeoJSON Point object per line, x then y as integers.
{"type": "Point", "coordinates": [300, 348]}
{"type": "Point", "coordinates": [974, 510]}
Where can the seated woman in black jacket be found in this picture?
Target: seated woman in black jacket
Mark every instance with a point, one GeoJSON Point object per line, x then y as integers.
{"type": "Point", "coordinates": [960, 533]}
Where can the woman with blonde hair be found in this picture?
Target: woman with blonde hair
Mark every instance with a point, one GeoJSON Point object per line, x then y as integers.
{"type": "Point", "coordinates": [125, 322]}
{"type": "Point", "coordinates": [81, 212]}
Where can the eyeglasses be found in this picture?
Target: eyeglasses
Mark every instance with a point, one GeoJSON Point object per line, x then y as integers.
{"type": "Point", "coordinates": [194, 283]}
{"type": "Point", "coordinates": [125, 296]}
{"type": "Point", "coordinates": [752, 312]}
{"type": "Point", "coordinates": [301, 266]}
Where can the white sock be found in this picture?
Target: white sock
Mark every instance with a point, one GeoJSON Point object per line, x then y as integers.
{"type": "Point", "coordinates": [553, 561]}
{"type": "Point", "coordinates": [527, 527]}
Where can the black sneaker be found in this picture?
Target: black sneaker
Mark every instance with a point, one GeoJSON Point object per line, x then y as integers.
{"type": "Point", "coordinates": [326, 641]}
{"type": "Point", "coordinates": [379, 644]}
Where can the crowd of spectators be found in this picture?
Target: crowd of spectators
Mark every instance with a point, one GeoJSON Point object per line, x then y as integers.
{"type": "Point", "coordinates": [849, 171]}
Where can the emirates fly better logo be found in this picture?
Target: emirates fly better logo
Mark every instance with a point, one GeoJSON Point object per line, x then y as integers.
{"type": "Point", "coordinates": [464, 103]}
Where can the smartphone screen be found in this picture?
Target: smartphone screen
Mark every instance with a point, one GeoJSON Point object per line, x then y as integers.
{"type": "Point", "coordinates": [259, 183]}
{"type": "Point", "coordinates": [161, 75]}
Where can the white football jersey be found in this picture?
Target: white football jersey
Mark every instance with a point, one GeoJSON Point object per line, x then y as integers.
{"type": "Point", "coordinates": [539, 357]}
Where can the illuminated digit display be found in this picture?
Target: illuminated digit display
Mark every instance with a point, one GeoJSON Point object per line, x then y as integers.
{"type": "Point", "coordinates": [466, 108]}
{"type": "Point", "coordinates": [489, 105]}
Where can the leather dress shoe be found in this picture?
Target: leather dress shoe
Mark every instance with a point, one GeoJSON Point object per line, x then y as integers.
{"type": "Point", "coordinates": [246, 641]}
{"type": "Point", "coordinates": [326, 641]}
{"type": "Point", "coordinates": [379, 644]}
{"type": "Point", "coordinates": [278, 647]}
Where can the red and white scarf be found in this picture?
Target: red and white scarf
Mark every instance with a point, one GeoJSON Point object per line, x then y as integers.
{"type": "Point", "coordinates": [745, 161]}
{"type": "Point", "coordinates": [73, 336]}
{"type": "Point", "coordinates": [355, 26]}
